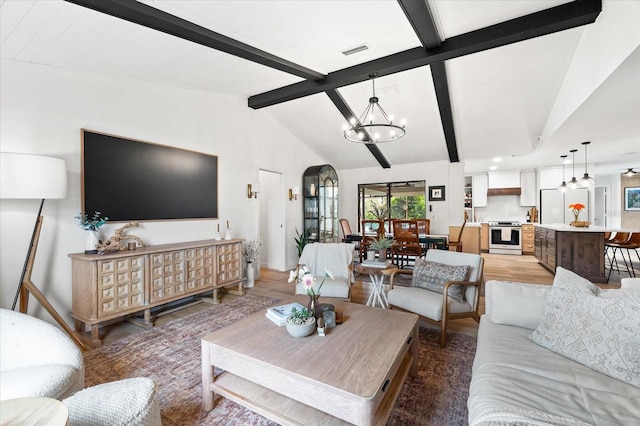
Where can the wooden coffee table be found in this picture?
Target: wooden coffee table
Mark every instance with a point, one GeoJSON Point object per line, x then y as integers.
{"type": "Point", "coordinates": [353, 375]}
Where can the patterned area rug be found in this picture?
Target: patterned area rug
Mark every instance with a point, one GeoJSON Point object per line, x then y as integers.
{"type": "Point", "coordinates": [170, 355]}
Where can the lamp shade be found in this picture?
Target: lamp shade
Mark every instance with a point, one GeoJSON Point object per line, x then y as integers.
{"type": "Point", "coordinates": [26, 176]}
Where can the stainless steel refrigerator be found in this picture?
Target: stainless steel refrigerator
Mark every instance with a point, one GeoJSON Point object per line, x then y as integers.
{"type": "Point", "coordinates": [554, 205]}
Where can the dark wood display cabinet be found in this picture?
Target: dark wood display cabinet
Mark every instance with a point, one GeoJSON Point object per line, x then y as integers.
{"type": "Point", "coordinates": [320, 203]}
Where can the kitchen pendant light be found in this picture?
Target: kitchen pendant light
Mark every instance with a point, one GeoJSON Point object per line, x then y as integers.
{"type": "Point", "coordinates": [629, 173]}
{"type": "Point", "coordinates": [563, 186]}
{"type": "Point", "coordinates": [573, 183]}
{"type": "Point", "coordinates": [586, 180]}
{"type": "Point", "coordinates": [365, 130]}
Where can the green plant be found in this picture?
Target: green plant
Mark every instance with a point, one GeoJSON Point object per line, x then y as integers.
{"type": "Point", "coordinates": [379, 211]}
{"type": "Point", "coordinates": [302, 239]}
{"type": "Point", "coordinates": [381, 243]}
{"type": "Point", "coordinates": [300, 316]}
{"type": "Point", "coordinates": [92, 224]}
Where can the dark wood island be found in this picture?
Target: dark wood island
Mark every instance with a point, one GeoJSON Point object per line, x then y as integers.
{"type": "Point", "coordinates": [580, 250]}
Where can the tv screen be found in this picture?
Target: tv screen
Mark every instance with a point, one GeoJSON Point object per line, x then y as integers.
{"type": "Point", "coordinates": [126, 180]}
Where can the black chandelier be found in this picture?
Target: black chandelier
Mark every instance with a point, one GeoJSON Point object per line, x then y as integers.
{"type": "Point", "coordinates": [364, 130]}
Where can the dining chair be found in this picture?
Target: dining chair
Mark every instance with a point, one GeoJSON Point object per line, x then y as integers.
{"type": "Point", "coordinates": [423, 229]}
{"type": "Point", "coordinates": [347, 233]}
{"type": "Point", "coordinates": [406, 241]}
{"type": "Point", "coordinates": [458, 243]}
{"type": "Point", "coordinates": [372, 229]}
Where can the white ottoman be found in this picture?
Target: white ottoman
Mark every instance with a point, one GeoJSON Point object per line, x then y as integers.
{"type": "Point", "coordinates": [130, 402]}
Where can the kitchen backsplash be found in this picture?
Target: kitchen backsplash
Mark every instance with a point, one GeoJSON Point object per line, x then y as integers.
{"type": "Point", "coordinates": [504, 207]}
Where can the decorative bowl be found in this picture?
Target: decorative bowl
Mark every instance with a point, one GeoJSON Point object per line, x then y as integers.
{"type": "Point", "coordinates": [581, 224]}
{"type": "Point", "coordinates": [301, 330]}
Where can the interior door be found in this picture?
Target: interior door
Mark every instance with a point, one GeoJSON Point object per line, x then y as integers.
{"type": "Point", "coordinates": [600, 207]}
{"type": "Point", "coordinates": [271, 220]}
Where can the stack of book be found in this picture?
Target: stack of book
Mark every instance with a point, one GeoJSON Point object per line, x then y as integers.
{"type": "Point", "coordinates": [279, 314]}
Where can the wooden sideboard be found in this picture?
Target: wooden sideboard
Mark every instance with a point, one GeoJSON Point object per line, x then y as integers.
{"type": "Point", "coordinates": [113, 285]}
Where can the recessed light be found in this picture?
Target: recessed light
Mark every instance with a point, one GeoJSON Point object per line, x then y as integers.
{"type": "Point", "coordinates": [493, 168]}
{"type": "Point", "coordinates": [497, 159]}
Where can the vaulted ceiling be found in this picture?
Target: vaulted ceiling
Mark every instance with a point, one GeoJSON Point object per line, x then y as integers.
{"type": "Point", "coordinates": [475, 79]}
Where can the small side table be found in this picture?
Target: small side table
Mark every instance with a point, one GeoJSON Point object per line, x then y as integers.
{"type": "Point", "coordinates": [377, 274]}
{"type": "Point", "coordinates": [33, 411]}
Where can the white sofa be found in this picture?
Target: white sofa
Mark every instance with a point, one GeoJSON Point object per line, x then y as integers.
{"type": "Point", "coordinates": [516, 381]}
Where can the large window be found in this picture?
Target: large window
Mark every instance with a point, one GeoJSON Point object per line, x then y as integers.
{"type": "Point", "coordinates": [391, 200]}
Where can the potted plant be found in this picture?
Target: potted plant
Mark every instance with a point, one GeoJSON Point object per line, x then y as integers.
{"type": "Point", "coordinates": [250, 252]}
{"type": "Point", "coordinates": [301, 323]}
{"type": "Point", "coordinates": [302, 240]}
{"type": "Point", "coordinates": [93, 225]}
{"type": "Point", "coordinates": [381, 245]}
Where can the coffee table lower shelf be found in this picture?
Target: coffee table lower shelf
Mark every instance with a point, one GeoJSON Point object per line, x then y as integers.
{"type": "Point", "coordinates": [289, 412]}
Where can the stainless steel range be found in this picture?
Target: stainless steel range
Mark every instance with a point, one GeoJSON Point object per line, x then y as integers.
{"type": "Point", "coordinates": [505, 237]}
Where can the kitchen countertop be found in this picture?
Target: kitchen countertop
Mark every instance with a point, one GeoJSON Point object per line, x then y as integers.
{"type": "Point", "coordinates": [567, 228]}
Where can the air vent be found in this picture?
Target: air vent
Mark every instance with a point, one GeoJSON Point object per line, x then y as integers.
{"type": "Point", "coordinates": [356, 49]}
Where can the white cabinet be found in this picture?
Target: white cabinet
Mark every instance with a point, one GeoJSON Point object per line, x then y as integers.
{"type": "Point", "coordinates": [480, 186]}
{"type": "Point", "coordinates": [528, 189]}
{"type": "Point", "coordinates": [504, 179]}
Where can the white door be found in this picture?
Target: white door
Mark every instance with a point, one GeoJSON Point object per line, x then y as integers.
{"type": "Point", "coordinates": [600, 206]}
{"type": "Point", "coordinates": [271, 220]}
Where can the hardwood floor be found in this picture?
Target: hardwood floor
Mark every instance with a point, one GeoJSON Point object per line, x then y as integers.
{"type": "Point", "coordinates": [274, 283]}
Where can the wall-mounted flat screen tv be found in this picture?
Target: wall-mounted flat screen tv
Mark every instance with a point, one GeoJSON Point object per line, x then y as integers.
{"type": "Point", "coordinates": [127, 179]}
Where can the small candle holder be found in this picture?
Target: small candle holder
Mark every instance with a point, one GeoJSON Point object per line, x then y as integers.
{"type": "Point", "coordinates": [132, 245]}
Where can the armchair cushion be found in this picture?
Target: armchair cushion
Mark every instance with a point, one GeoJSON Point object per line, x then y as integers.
{"type": "Point", "coordinates": [337, 258]}
{"type": "Point", "coordinates": [425, 303]}
{"type": "Point", "coordinates": [433, 276]}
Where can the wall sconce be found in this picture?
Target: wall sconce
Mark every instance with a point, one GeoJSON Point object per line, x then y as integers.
{"type": "Point", "coordinates": [252, 191]}
{"type": "Point", "coordinates": [293, 193]}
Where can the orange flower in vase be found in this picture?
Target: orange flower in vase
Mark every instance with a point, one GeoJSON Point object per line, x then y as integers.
{"type": "Point", "coordinates": [576, 209]}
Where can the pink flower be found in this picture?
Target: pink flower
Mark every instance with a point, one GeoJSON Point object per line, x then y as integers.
{"type": "Point", "coordinates": [308, 281]}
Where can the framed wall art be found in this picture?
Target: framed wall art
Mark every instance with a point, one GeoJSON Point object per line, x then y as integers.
{"type": "Point", "coordinates": [436, 193]}
{"type": "Point", "coordinates": [632, 199]}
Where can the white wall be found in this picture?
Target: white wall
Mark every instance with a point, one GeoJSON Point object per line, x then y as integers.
{"type": "Point", "coordinates": [42, 110]}
{"type": "Point", "coordinates": [445, 213]}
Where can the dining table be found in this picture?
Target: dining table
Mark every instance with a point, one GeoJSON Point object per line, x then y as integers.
{"type": "Point", "coordinates": [429, 241]}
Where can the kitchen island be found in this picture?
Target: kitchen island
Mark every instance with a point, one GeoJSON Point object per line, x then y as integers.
{"type": "Point", "coordinates": [580, 250]}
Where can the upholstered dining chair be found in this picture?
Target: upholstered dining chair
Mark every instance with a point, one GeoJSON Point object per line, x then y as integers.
{"type": "Point", "coordinates": [457, 244]}
{"type": "Point", "coordinates": [438, 294]}
{"type": "Point", "coordinates": [347, 233]}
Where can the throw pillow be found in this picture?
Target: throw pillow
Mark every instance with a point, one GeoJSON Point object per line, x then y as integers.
{"type": "Point", "coordinates": [596, 328]}
{"type": "Point", "coordinates": [519, 304]}
{"type": "Point", "coordinates": [433, 276]}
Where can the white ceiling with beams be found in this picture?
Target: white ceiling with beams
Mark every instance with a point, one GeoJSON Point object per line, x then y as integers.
{"type": "Point", "coordinates": [527, 102]}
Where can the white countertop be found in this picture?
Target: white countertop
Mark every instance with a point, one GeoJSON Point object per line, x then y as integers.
{"type": "Point", "coordinates": [560, 227]}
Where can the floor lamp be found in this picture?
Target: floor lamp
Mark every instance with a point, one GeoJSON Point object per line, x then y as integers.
{"type": "Point", "coordinates": [25, 176]}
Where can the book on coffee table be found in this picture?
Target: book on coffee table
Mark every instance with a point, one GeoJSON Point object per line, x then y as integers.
{"type": "Point", "coordinates": [279, 314]}
{"type": "Point", "coordinates": [375, 264]}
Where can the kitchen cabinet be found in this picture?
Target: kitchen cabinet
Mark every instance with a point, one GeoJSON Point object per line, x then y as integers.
{"type": "Point", "coordinates": [528, 238]}
{"type": "Point", "coordinates": [484, 237]}
{"type": "Point", "coordinates": [470, 237]}
{"type": "Point", "coordinates": [528, 189]}
{"type": "Point", "coordinates": [320, 203]}
{"type": "Point", "coordinates": [480, 186]}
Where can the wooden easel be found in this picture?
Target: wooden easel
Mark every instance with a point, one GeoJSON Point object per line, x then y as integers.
{"type": "Point", "coordinates": [27, 286]}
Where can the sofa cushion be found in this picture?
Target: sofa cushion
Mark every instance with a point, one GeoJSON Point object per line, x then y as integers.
{"type": "Point", "coordinates": [518, 304]}
{"type": "Point", "coordinates": [595, 328]}
{"type": "Point", "coordinates": [433, 276]}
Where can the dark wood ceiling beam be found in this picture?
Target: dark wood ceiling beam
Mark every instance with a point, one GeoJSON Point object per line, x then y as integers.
{"type": "Point", "coordinates": [421, 19]}
{"type": "Point", "coordinates": [147, 16]}
{"type": "Point", "coordinates": [348, 114]}
{"type": "Point", "coordinates": [439, 74]}
{"type": "Point", "coordinates": [558, 18]}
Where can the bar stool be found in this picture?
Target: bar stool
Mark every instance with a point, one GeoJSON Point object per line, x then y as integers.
{"type": "Point", "coordinates": [619, 241]}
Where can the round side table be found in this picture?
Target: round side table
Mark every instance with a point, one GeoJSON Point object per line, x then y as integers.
{"type": "Point", "coordinates": [377, 297]}
{"type": "Point", "coordinates": [33, 411]}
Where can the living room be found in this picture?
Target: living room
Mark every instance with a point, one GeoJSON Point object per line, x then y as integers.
{"type": "Point", "coordinates": [45, 104]}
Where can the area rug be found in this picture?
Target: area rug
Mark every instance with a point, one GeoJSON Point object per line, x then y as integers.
{"type": "Point", "coordinates": [170, 355]}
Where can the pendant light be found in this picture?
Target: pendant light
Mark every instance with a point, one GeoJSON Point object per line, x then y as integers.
{"type": "Point", "coordinates": [573, 183]}
{"type": "Point", "coordinates": [563, 186]}
{"type": "Point", "coordinates": [586, 181]}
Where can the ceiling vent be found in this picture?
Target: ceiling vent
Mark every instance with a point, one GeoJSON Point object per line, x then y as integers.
{"type": "Point", "coordinates": [356, 49]}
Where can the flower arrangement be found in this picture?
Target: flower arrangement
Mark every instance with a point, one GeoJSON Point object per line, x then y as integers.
{"type": "Point", "coordinates": [251, 249]}
{"type": "Point", "coordinates": [576, 208]}
{"type": "Point", "coordinates": [92, 224]}
{"type": "Point", "coordinates": [303, 274]}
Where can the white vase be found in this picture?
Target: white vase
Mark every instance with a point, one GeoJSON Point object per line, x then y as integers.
{"type": "Point", "coordinates": [227, 234]}
{"type": "Point", "coordinates": [249, 276]}
{"type": "Point", "coordinates": [93, 239]}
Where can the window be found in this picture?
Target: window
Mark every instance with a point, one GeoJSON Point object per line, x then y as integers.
{"type": "Point", "coordinates": [391, 200]}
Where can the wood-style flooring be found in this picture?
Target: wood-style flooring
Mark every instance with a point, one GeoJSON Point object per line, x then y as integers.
{"type": "Point", "coordinates": [274, 283]}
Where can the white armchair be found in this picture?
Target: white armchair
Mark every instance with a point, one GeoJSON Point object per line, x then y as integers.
{"type": "Point", "coordinates": [37, 359]}
{"type": "Point", "coordinates": [440, 307]}
{"type": "Point", "coordinates": [338, 258]}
